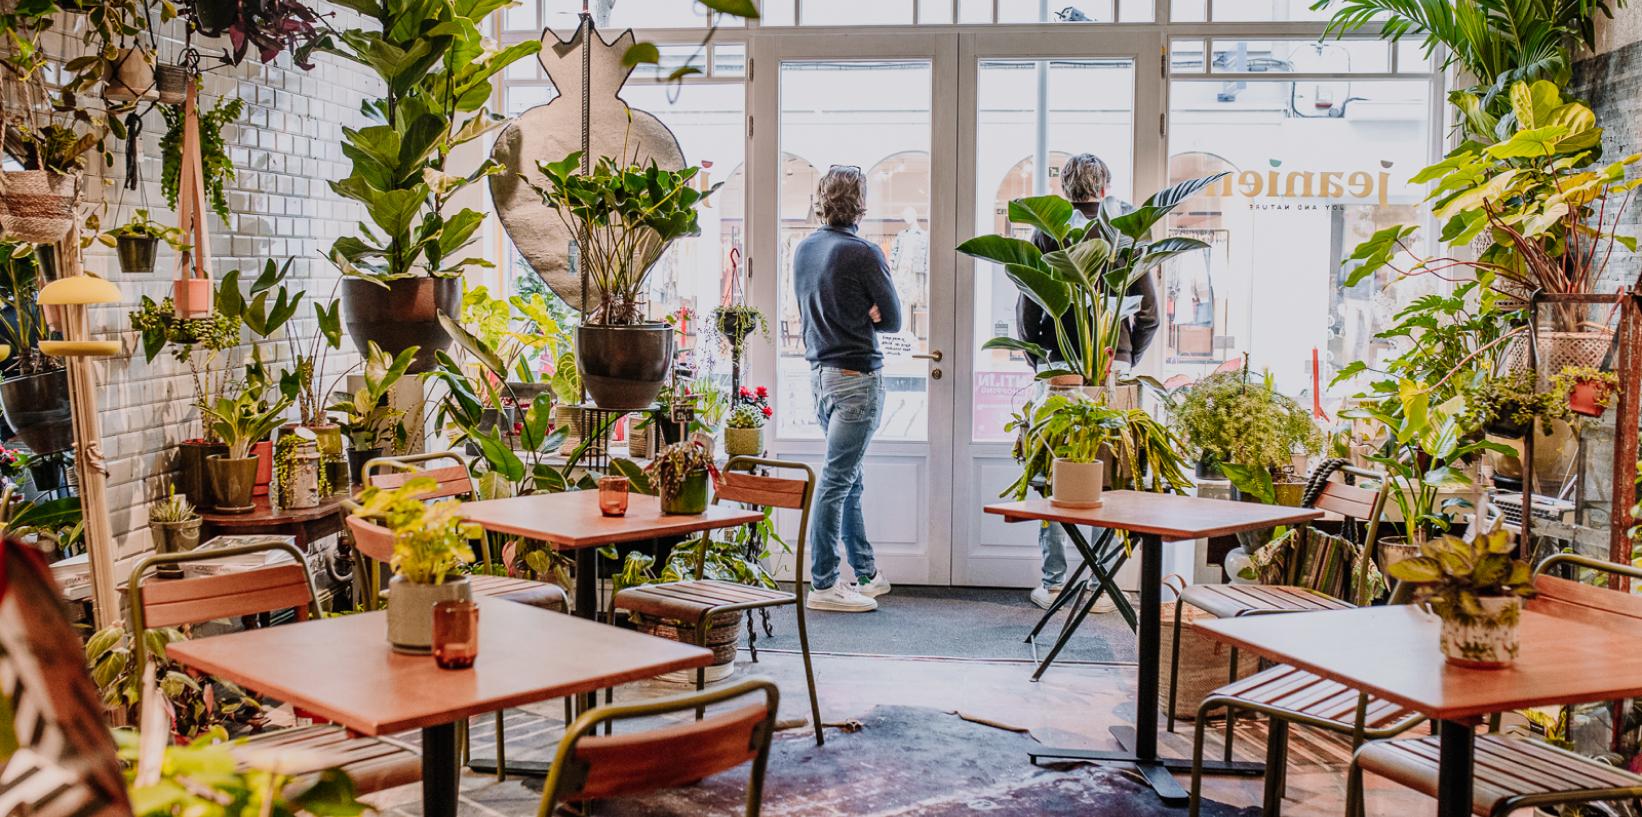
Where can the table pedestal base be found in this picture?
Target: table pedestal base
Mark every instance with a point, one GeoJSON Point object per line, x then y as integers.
{"type": "Point", "coordinates": [441, 775]}
{"type": "Point", "coordinates": [1155, 770]}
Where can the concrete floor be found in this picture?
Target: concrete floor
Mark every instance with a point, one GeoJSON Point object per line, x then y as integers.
{"type": "Point", "coordinates": [1072, 706]}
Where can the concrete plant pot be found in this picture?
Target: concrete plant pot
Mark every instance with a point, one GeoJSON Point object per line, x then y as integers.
{"type": "Point", "coordinates": [410, 611]}
{"type": "Point", "coordinates": [1488, 641]}
{"type": "Point", "coordinates": [1076, 484]}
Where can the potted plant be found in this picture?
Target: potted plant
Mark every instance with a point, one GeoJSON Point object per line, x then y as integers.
{"type": "Point", "coordinates": [34, 393]}
{"type": "Point", "coordinates": [239, 422]}
{"type": "Point", "coordinates": [680, 474]}
{"type": "Point", "coordinates": [431, 543]}
{"type": "Point", "coordinates": [744, 433]}
{"type": "Point", "coordinates": [735, 324]}
{"type": "Point", "coordinates": [1069, 426]}
{"type": "Point", "coordinates": [1229, 418]}
{"type": "Point", "coordinates": [137, 240]}
{"type": "Point", "coordinates": [40, 200]}
{"type": "Point", "coordinates": [270, 27]}
{"type": "Point", "coordinates": [300, 382]}
{"type": "Point", "coordinates": [130, 76]}
{"type": "Point", "coordinates": [1589, 390]}
{"type": "Point", "coordinates": [299, 482]}
{"type": "Point", "coordinates": [628, 214]}
{"type": "Point", "coordinates": [1089, 276]}
{"type": "Point", "coordinates": [366, 418]}
{"type": "Point", "coordinates": [174, 525]}
{"type": "Point", "coordinates": [402, 273]}
{"type": "Point", "coordinates": [1477, 589]}
{"type": "Point", "coordinates": [1508, 405]}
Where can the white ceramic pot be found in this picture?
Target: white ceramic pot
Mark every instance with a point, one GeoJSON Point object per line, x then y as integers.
{"type": "Point", "coordinates": [410, 611]}
{"type": "Point", "coordinates": [1488, 641]}
{"type": "Point", "coordinates": [1076, 484]}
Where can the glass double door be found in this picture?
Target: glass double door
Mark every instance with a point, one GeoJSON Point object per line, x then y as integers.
{"type": "Point", "coordinates": [947, 128]}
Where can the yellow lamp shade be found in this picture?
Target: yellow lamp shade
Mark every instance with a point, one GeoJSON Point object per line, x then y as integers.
{"type": "Point", "coordinates": [5, 352]}
{"type": "Point", "coordinates": [79, 290]}
{"type": "Point", "coordinates": [80, 348]}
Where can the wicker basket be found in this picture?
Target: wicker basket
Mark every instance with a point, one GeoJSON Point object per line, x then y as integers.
{"type": "Point", "coordinates": [723, 634]}
{"type": "Point", "coordinates": [36, 206]}
{"type": "Point", "coordinates": [1558, 351]}
{"type": "Point", "coordinates": [1204, 662]}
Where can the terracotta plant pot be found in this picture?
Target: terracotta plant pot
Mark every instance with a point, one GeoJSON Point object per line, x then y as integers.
{"type": "Point", "coordinates": [192, 297]}
{"type": "Point", "coordinates": [1589, 398]}
{"type": "Point", "coordinates": [1076, 484]}
{"type": "Point", "coordinates": [264, 452]}
{"type": "Point", "coordinates": [624, 367]}
{"type": "Point", "coordinates": [1488, 641]}
{"type": "Point", "coordinates": [743, 442]}
{"type": "Point", "coordinates": [136, 253]}
{"type": "Point", "coordinates": [38, 205]}
{"type": "Point", "coordinates": [232, 483]}
{"type": "Point", "coordinates": [400, 314]}
{"type": "Point", "coordinates": [689, 499]}
{"type": "Point", "coordinates": [410, 611]}
{"type": "Point", "coordinates": [37, 408]}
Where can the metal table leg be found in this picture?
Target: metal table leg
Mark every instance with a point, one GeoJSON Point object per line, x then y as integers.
{"type": "Point", "coordinates": [1454, 770]}
{"type": "Point", "coordinates": [441, 777]}
{"type": "Point", "coordinates": [1140, 742]}
{"type": "Point", "coordinates": [1103, 581]}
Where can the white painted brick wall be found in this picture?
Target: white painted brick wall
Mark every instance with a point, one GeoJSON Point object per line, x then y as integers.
{"type": "Point", "coordinates": [285, 149]}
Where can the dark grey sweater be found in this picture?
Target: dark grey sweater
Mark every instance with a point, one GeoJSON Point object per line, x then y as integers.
{"type": "Point", "coordinates": [838, 277]}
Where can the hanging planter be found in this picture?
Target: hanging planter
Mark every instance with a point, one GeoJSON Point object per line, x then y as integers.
{"type": "Point", "coordinates": [37, 408]}
{"type": "Point", "coordinates": [137, 241]}
{"type": "Point", "coordinates": [1589, 390]}
{"type": "Point", "coordinates": [38, 205]}
{"type": "Point", "coordinates": [136, 253]}
{"type": "Point", "coordinates": [171, 84]}
{"type": "Point", "coordinates": [400, 313]}
{"type": "Point", "coordinates": [130, 77]}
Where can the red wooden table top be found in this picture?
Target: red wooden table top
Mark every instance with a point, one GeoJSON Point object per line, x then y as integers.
{"type": "Point", "coordinates": [572, 519]}
{"type": "Point", "coordinates": [1167, 516]}
{"type": "Point", "coordinates": [342, 668]}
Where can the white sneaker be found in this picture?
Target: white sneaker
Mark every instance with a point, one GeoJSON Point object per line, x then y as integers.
{"type": "Point", "coordinates": [1045, 596]}
{"type": "Point", "coordinates": [875, 588]}
{"type": "Point", "coordinates": [840, 598]}
{"type": "Point", "coordinates": [1106, 604]}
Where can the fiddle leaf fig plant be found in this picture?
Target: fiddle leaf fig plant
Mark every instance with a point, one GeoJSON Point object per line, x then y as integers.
{"type": "Point", "coordinates": [1089, 276]}
{"type": "Point", "coordinates": [437, 67]}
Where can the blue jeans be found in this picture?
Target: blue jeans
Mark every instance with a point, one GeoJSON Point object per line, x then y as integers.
{"type": "Point", "coordinates": [848, 406]}
{"type": "Point", "coordinates": [1052, 541]}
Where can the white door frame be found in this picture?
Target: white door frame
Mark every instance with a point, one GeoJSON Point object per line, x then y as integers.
{"type": "Point", "coordinates": [1012, 559]}
{"type": "Point", "coordinates": [929, 559]}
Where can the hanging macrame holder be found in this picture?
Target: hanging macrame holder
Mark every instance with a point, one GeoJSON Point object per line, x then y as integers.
{"type": "Point", "coordinates": [193, 288]}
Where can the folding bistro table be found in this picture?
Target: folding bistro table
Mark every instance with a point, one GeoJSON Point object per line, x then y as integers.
{"type": "Point", "coordinates": [343, 670]}
{"type": "Point", "coordinates": [1569, 655]}
{"type": "Point", "coordinates": [1154, 519]}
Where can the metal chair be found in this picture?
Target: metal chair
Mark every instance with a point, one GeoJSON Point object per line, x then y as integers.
{"type": "Point", "coordinates": [454, 483]}
{"type": "Point", "coordinates": [1517, 773]}
{"type": "Point", "coordinates": [695, 602]}
{"type": "Point", "coordinates": [374, 764]}
{"type": "Point", "coordinates": [589, 767]}
{"type": "Point", "coordinates": [1355, 504]}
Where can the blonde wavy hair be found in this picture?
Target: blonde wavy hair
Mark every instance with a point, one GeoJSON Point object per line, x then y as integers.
{"type": "Point", "coordinates": [841, 198]}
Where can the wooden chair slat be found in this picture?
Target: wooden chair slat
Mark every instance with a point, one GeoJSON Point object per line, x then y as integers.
{"type": "Point", "coordinates": [668, 757]}
{"type": "Point", "coordinates": [1349, 501]}
{"type": "Point", "coordinates": [453, 480]}
{"type": "Point", "coordinates": [371, 539]}
{"type": "Point", "coordinates": [755, 489]}
{"type": "Point", "coordinates": [174, 602]}
{"type": "Point", "coordinates": [1567, 596]}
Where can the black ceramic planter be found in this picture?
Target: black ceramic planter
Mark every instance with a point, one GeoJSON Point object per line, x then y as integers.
{"type": "Point", "coordinates": [136, 253]}
{"type": "Point", "coordinates": [37, 408]}
{"type": "Point", "coordinates": [356, 463]}
{"type": "Point", "coordinates": [401, 314]}
{"type": "Point", "coordinates": [624, 367]}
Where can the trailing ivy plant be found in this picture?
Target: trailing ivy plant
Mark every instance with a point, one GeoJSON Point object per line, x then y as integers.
{"type": "Point", "coordinates": [216, 169]}
{"type": "Point", "coordinates": [436, 66]}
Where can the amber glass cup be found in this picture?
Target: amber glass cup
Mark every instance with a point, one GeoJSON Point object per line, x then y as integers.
{"type": "Point", "coordinates": [455, 634]}
{"type": "Point", "coordinates": [613, 496]}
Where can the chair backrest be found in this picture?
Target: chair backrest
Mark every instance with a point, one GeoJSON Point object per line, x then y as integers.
{"type": "Point", "coordinates": [736, 483]}
{"type": "Point", "coordinates": [371, 539]}
{"type": "Point", "coordinates": [1584, 602]}
{"type": "Point", "coordinates": [392, 472]}
{"type": "Point", "coordinates": [588, 767]}
{"type": "Point", "coordinates": [175, 602]}
{"type": "Point", "coordinates": [1357, 504]}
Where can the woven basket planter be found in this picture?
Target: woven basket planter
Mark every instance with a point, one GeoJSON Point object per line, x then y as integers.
{"type": "Point", "coordinates": [37, 206]}
{"type": "Point", "coordinates": [723, 633]}
{"type": "Point", "coordinates": [1204, 662]}
{"type": "Point", "coordinates": [1558, 351]}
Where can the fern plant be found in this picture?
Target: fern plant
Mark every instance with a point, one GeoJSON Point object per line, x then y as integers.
{"type": "Point", "coordinates": [216, 169]}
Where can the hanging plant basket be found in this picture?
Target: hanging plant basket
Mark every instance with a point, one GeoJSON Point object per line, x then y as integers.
{"type": "Point", "coordinates": [38, 205]}
{"type": "Point", "coordinates": [136, 253]}
{"type": "Point", "coordinates": [130, 77]}
{"type": "Point", "coordinates": [1558, 351]}
{"type": "Point", "coordinates": [171, 84]}
{"type": "Point", "coordinates": [37, 408]}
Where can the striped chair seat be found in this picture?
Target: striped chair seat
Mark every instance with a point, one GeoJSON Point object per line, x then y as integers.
{"type": "Point", "coordinates": [545, 595]}
{"type": "Point", "coordinates": [1232, 600]}
{"type": "Point", "coordinates": [1307, 695]}
{"type": "Point", "coordinates": [1511, 773]}
{"type": "Point", "coordinates": [373, 764]}
{"type": "Point", "coordinates": [688, 601]}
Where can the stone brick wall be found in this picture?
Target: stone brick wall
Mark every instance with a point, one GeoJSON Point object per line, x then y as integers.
{"type": "Point", "coordinates": [285, 149]}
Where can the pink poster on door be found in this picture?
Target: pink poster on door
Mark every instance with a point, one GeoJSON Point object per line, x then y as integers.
{"type": "Point", "coordinates": [996, 396]}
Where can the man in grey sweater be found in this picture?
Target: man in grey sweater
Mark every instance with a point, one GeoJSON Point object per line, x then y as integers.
{"type": "Point", "coordinates": [845, 299]}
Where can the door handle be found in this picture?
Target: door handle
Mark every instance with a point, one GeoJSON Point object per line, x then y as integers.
{"type": "Point", "coordinates": [934, 355]}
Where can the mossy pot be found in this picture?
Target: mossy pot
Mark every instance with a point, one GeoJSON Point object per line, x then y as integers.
{"type": "Point", "coordinates": [689, 498]}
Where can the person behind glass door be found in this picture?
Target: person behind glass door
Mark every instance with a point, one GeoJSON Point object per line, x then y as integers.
{"type": "Point", "coordinates": [845, 299]}
{"type": "Point", "coordinates": [1083, 179]}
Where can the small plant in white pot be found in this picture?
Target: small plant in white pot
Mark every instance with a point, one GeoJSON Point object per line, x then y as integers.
{"type": "Point", "coordinates": [1477, 589]}
{"type": "Point", "coordinates": [1077, 434]}
{"type": "Point", "coordinates": [431, 543]}
{"type": "Point", "coordinates": [744, 431]}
